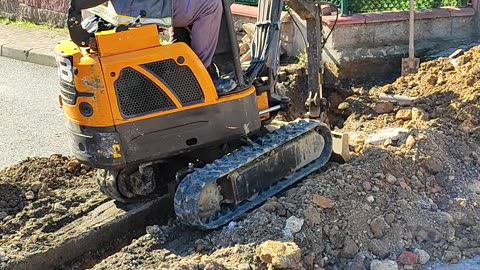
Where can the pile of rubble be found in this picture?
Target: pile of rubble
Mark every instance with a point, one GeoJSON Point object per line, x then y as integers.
{"type": "Point", "coordinates": [410, 195]}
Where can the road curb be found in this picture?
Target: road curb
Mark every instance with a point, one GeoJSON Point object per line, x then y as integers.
{"type": "Point", "coordinates": [27, 55]}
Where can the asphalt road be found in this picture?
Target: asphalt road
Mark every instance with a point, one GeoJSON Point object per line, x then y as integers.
{"type": "Point", "coordinates": [31, 121]}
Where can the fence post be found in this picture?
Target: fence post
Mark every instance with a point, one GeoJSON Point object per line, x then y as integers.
{"type": "Point", "coordinates": [344, 7]}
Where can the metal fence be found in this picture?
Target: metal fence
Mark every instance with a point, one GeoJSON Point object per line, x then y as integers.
{"type": "Point", "coordinates": [362, 6]}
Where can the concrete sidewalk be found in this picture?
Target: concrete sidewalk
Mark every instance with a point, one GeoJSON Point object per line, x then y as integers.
{"type": "Point", "coordinates": [30, 44]}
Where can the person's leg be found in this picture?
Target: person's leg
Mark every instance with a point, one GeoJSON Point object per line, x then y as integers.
{"type": "Point", "coordinates": [204, 17]}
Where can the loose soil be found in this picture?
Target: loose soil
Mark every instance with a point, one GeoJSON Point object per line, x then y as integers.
{"type": "Point", "coordinates": [39, 196]}
{"type": "Point", "coordinates": [417, 191]}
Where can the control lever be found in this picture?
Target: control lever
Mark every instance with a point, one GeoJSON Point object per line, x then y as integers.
{"type": "Point", "coordinates": [135, 20]}
{"type": "Point", "coordinates": [142, 14]}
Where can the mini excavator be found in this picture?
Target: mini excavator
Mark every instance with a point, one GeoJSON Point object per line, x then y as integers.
{"type": "Point", "coordinates": [146, 114]}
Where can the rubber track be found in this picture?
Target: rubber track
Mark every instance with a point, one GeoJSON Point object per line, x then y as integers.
{"type": "Point", "coordinates": [189, 190]}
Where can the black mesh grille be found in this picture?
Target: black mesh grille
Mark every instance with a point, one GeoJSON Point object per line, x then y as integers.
{"type": "Point", "coordinates": [178, 79]}
{"type": "Point", "coordinates": [138, 95]}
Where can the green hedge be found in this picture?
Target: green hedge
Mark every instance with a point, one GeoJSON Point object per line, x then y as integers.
{"type": "Point", "coordinates": [362, 6]}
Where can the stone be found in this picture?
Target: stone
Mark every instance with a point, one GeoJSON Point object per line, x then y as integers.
{"type": "Point", "coordinates": [3, 258]}
{"type": "Point", "coordinates": [29, 195]}
{"type": "Point", "coordinates": [404, 114]}
{"type": "Point", "coordinates": [323, 202]}
{"type": "Point", "coordinates": [410, 141]}
{"type": "Point", "coordinates": [358, 262]}
{"type": "Point", "coordinates": [156, 232]}
{"type": "Point", "coordinates": [293, 225]}
{"type": "Point", "coordinates": [382, 135]}
{"type": "Point", "coordinates": [350, 248]}
{"type": "Point", "coordinates": [370, 199]}
{"type": "Point", "coordinates": [73, 165]}
{"type": "Point", "coordinates": [3, 215]}
{"type": "Point", "coordinates": [312, 216]}
{"type": "Point", "coordinates": [43, 192]}
{"type": "Point", "coordinates": [249, 28]}
{"type": "Point", "coordinates": [423, 256]}
{"type": "Point", "coordinates": [383, 107]}
{"type": "Point", "coordinates": [378, 227]}
{"type": "Point", "coordinates": [36, 186]}
{"type": "Point", "coordinates": [408, 258]}
{"type": "Point", "coordinates": [419, 114]}
{"type": "Point", "coordinates": [280, 254]}
{"type": "Point", "coordinates": [244, 266]}
{"type": "Point", "coordinates": [390, 179]}
{"type": "Point", "coordinates": [244, 47]}
{"type": "Point", "coordinates": [432, 165]}
{"type": "Point", "coordinates": [367, 186]}
{"type": "Point", "coordinates": [389, 218]}
{"type": "Point", "coordinates": [383, 265]}
{"type": "Point", "coordinates": [405, 186]}
{"type": "Point", "coordinates": [343, 106]}
{"type": "Point", "coordinates": [59, 208]}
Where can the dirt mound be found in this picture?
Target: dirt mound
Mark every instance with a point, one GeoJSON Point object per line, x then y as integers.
{"type": "Point", "coordinates": [404, 199]}
{"type": "Point", "coordinates": [40, 195]}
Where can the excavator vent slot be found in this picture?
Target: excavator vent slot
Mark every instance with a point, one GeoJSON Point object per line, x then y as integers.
{"type": "Point", "coordinates": [180, 80]}
{"type": "Point", "coordinates": [137, 95]}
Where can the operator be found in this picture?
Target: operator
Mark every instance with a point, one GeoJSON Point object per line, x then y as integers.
{"type": "Point", "coordinates": [201, 17]}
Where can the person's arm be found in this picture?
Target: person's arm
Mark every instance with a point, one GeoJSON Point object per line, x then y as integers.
{"type": "Point", "coordinates": [85, 4]}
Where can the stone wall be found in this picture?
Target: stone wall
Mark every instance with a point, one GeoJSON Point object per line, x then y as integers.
{"type": "Point", "coordinates": [51, 12]}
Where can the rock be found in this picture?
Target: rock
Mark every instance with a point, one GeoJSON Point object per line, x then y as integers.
{"type": "Point", "coordinates": [378, 227]}
{"type": "Point", "coordinates": [43, 192]}
{"type": "Point", "coordinates": [367, 186]}
{"type": "Point", "coordinates": [59, 208]}
{"type": "Point", "coordinates": [344, 106]}
{"type": "Point", "coordinates": [323, 202]}
{"type": "Point", "coordinates": [156, 232]}
{"type": "Point", "coordinates": [432, 165]}
{"type": "Point", "coordinates": [370, 199]}
{"type": "Point", "coordinates": [73, 165]}
{"type": "Point", "coordinates": [312, 216]}
{"type": "Point", "coordinates": [389, 218]}
{"type": "Point", "coordinates": [423, 256]}
{"type": "Point", "coordinates": [404, 114]}
{"type": "Point", "coordinates": [249, 28]}
{"type": "Point", "coordinates": [408, 258]}
{"type": "Point", "coordinates": [29, 195]}
{"type": "Point", "coordinates": [280, 255]}
{"type": "Point", "coordinates": [383, 107]}
{"type": "Point", "coordinates": [410, 141]}
{"type": "Point", "coordinates": [390, 179]}
{"type": "Point", "coordinates": [244, 47]}
{"type": "Point", "coordinates": [3, 215]}
{"type": "Point", "coordinates": [358, 262]}
{"type": "Point", "coordinates": [292, 226]}
{"type": "Point", "coordinates": [3, 256]}
{"type": "Point", "coordinates": [350, 248]}
{"type": "Point", "coordinates": [36, 186]}
{"type": "Point", "coordinates": [244, 266]}
{"type": "Point", "coordinates": [382, 135]}
{"type": "Point", "coordinates": [452, 255]}
{"type": "Point", "coordinates": [383, 265]}
{"type": "Point", "coordinates": [419, 114]}
{"type": "Point", "coordinates": [405, 186]}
